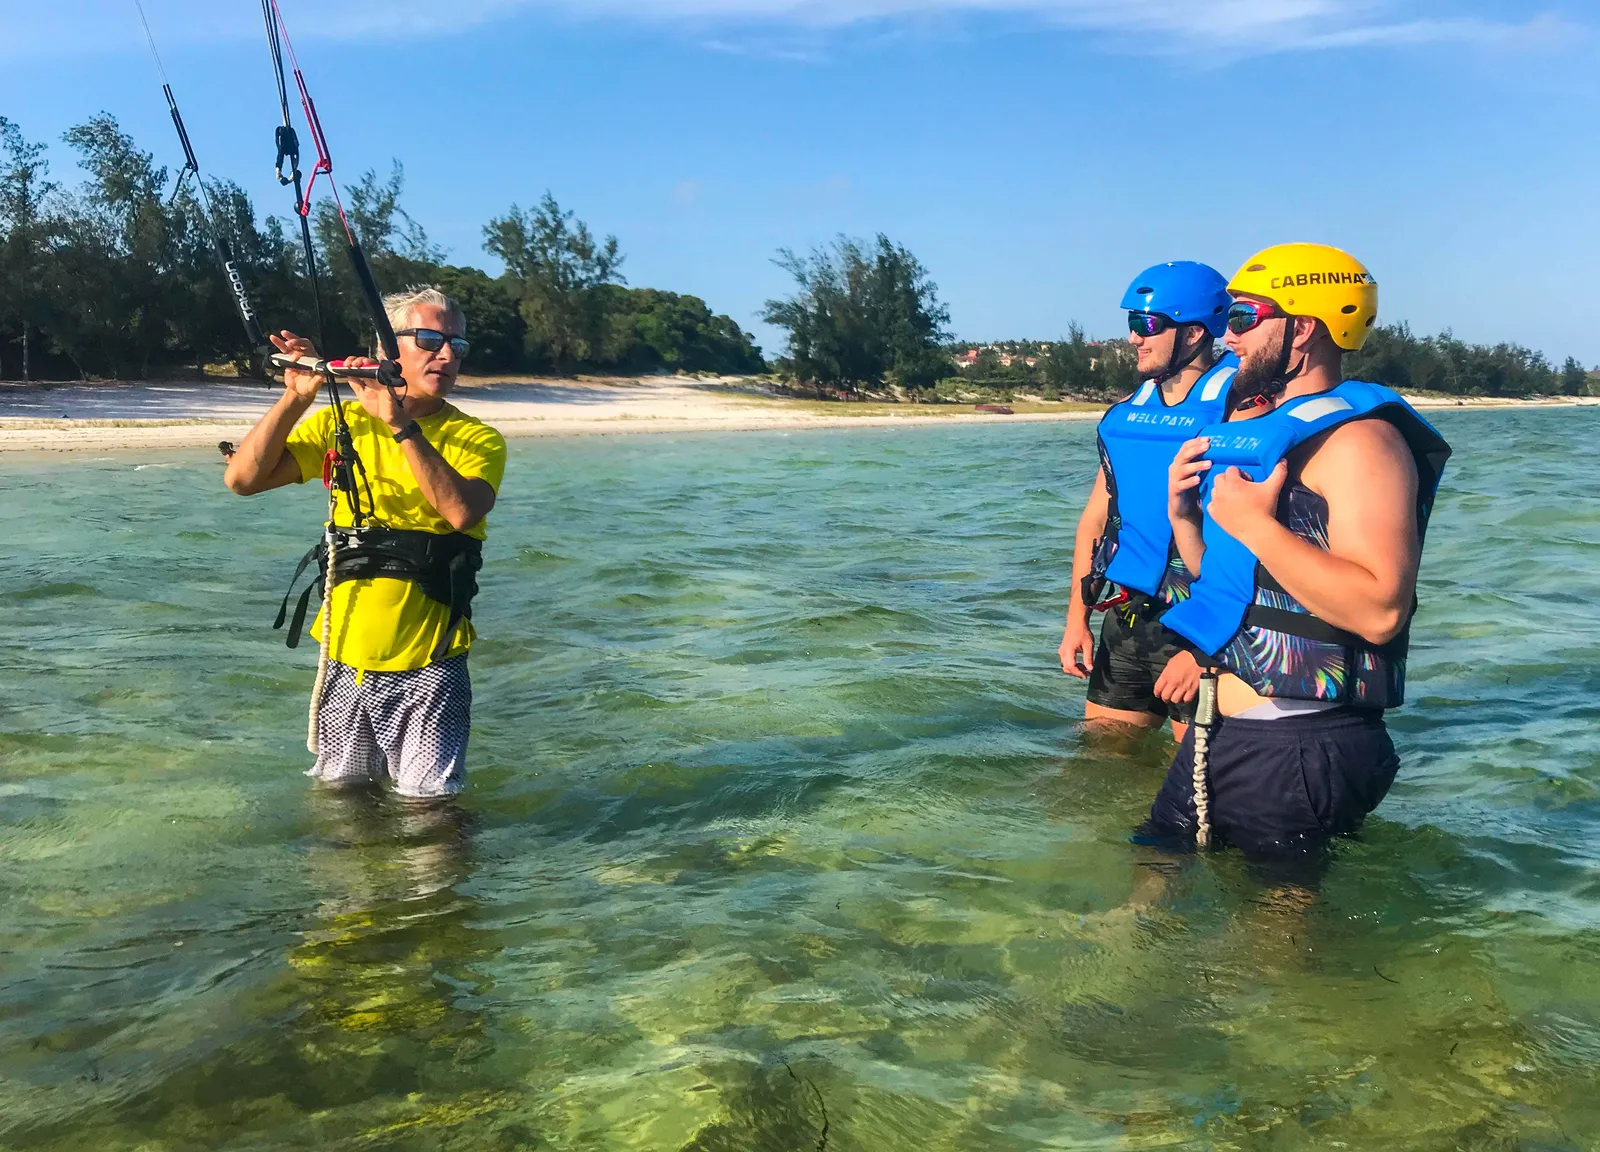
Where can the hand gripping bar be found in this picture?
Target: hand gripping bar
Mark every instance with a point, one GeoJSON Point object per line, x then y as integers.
{"type": "Point", "coordinates": [386, 372]}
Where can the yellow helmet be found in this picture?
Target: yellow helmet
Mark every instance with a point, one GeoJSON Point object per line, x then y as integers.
{"type": "Point", "coordinates": [1315, 280]}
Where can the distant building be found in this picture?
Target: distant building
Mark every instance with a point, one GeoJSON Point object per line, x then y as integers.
{"type": "Point", "coordinates": [967, 359]}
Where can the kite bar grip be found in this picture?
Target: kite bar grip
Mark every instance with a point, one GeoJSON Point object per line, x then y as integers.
{"type": "Point", "coordinates": [324, 367]}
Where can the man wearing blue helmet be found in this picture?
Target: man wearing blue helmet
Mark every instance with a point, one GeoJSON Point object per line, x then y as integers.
{"type": "Point", "coordinates": [1123, 562]}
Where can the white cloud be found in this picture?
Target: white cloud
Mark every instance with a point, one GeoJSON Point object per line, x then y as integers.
{"type": "Point", "coordinates": [1166, 27]}
{"type": "Point", "coordinates": [1156, 26]}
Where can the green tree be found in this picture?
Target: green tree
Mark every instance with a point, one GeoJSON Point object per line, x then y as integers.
{"type": "Point", "coordinates": [1092, 371]}
{"type": "Point", "coordinates": [396, 247]}
{"type": "Point", "coordinates": [559, 270]}
{"type": "Point", "coordinates": [270, 262]}
{"type": "Point", "coordinates": [649, 330]}
{"type": "Point", "coordinates": [118, 276]}
{"type": "Point", "coordinates": [207, 328]}
{"type": "Point", "coordinates": [861, 319]}
{"type": "Point", "coordinates": [1574, 378]}
{"type": "Point", "coordinates": [117, 290]}
{"type": "Point", "coordinates": [24, 235]}
{"type": "Point", "coordinates": [1069, 367]}
{"type": "Point", "coordinates": [494, 322]}
{"type": "Point", "coordinates": [1393, 355]}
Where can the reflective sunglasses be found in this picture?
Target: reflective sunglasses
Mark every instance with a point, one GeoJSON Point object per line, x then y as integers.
{"type": "Point", "coordinates": [1149, 323]}
{"type": "Point", "coordinates": [430, 340]}
{"type": "Point", "coordinates": [1245, 315]}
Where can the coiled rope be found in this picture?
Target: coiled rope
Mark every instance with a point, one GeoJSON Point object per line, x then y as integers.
{"type": "Point", "coordinates": [325, 640]}
{"type": "Point", "coordinates": [1205, 719]}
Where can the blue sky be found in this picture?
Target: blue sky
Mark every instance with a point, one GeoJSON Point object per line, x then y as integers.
{"type": "Point", "coordinates": [1035, 154]}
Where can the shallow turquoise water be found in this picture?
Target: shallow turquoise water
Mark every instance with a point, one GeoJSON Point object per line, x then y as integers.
{"type": "Point", "coordinates": [780, 835]}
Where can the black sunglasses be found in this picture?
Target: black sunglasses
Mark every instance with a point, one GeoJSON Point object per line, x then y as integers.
{"type": "Point", "coordinates": [1149, 323]}
{"type": "Point", "coordinates": [431, 340]}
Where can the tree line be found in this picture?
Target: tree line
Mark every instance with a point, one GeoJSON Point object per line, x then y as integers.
{"type": "Point", "coordinates": [867, 318]}
{"type": "Point", "coordinates": [1393, 355]}
{"type": "Point", "coordinates": [116, 277]}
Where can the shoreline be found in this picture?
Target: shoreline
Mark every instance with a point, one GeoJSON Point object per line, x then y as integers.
{"type": "Point", "coordinates": [192, 414]}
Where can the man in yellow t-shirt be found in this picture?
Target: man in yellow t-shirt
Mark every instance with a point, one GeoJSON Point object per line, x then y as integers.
{"type": "Point", "coordinates": [396, 700]}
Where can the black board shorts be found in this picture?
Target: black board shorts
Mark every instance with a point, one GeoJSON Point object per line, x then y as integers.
{"type": "Point", "coordinates": [1134, 648]}
{"type": "Point", "coordinates": [1279, 787]}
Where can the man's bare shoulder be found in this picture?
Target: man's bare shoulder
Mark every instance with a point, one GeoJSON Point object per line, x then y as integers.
{"type": "Point", "coordinates": [1359, 451]}
{"type": "Point", "coordinates": [1371, 441]}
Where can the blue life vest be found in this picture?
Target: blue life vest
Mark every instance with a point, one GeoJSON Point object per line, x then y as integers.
{"type": "Point", "coordinates": [1237, 613]}
{"type": "Point", "coordinates": [1138, 439]}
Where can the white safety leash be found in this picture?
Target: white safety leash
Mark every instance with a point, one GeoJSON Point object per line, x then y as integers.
{"type": "Point", "coordinates": [1205, 719]}
{"type": "Point", "coordinates": [330, 538]}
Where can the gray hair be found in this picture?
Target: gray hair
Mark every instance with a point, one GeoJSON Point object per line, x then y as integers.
{"type": "Point", "coordinates": [398, 305]}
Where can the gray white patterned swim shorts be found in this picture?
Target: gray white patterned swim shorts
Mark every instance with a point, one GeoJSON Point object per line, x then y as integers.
{"type": "Point", "coordinates": [408, 727]}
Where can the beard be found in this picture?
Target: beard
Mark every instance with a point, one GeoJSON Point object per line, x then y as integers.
{"type": "Point", "coordinates": [1256, 371]}
{"type": "Point", "coordinates": [1177, 353]}
{"type": "Point", "coordinates": [1152, 363]}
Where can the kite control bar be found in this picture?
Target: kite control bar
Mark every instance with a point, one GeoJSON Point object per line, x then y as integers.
{"type": "Point", "coordinates": [387, 372]}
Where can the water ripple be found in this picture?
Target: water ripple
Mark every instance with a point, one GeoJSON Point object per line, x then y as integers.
{"type": "Point", "coordinates": [781, 830]}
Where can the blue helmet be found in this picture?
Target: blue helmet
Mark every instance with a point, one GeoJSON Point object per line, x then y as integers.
{"type": "Point", "coordinates": [1183, 291]}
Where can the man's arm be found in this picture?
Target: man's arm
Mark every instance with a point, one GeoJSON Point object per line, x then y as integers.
{"type": "Point", "coordinates": [263, 461]}
{"type": "Point", "coordinates": [462, 501]}
{"type": "Point", "coordinates": [1077, 642]}
{"type": "Point", "coordinates": [1366, 581]}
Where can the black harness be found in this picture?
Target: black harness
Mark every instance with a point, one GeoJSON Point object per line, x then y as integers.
{"type": "Point", "coordinates": [444, 566]}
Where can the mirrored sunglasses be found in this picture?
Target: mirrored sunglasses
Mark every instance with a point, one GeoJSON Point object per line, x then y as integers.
{"type": "Point", "coordinates": [1243, 315]}
{"type": "Point", "coordinates": [1149, 323]}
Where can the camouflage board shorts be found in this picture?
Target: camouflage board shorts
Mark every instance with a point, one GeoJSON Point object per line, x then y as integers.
{"type": "Point", "coordinates": [1134, 648]}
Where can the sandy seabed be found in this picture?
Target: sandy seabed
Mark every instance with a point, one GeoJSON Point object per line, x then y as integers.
{"type": "Point", "coordinates": [99, 417]}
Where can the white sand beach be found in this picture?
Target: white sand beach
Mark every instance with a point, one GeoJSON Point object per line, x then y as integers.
{"type": "Point", "coordinates": [186, 414]}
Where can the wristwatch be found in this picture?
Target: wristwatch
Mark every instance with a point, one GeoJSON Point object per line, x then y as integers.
{"type": "Point", "coordinates": [411, 429]}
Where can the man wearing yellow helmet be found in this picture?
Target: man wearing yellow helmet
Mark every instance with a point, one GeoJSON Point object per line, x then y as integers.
{"type": "Point", "coordinates": [1302, 518]}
